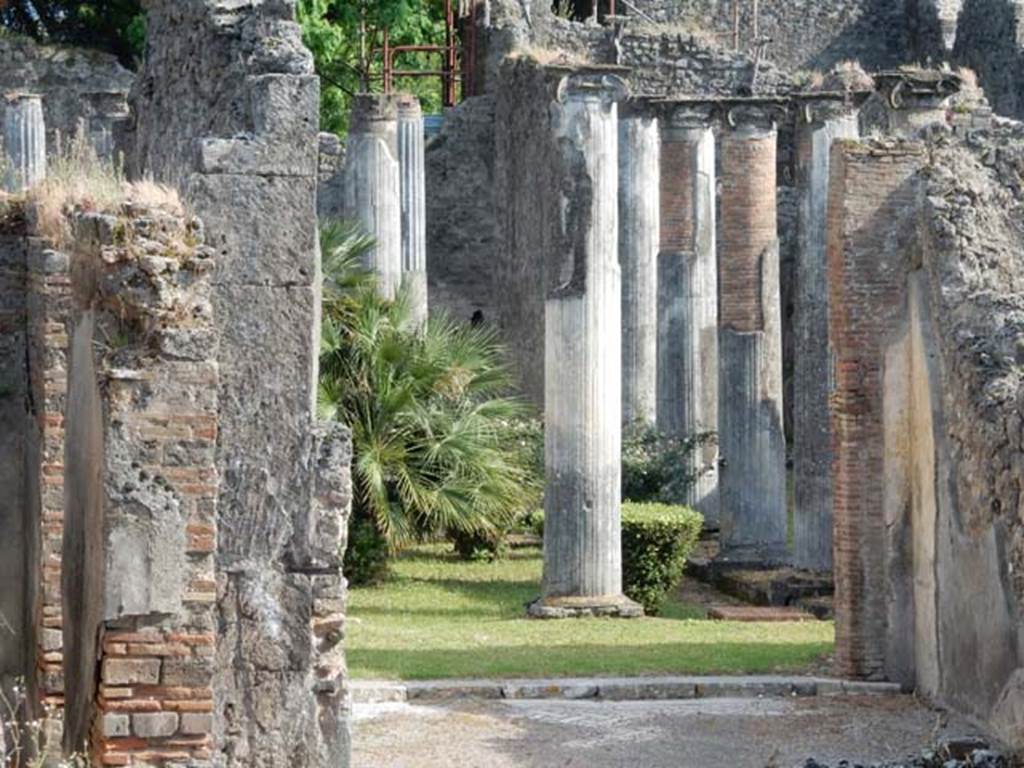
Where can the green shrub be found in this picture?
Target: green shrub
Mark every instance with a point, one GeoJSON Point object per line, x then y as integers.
{"type": "Point", "coordinates": [656, 540]}
{"type": "Point", "coordinates": [368, 553]}
{"type": "Point", "coordinates": [480, 544]}
{"type": "Point", "coordinates": [656, 467]}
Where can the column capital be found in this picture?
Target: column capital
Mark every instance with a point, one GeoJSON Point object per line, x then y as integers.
{"type": "Point", "coordinates": [604, 84]}
{"type": "Point", "coordinates": [371, 108]}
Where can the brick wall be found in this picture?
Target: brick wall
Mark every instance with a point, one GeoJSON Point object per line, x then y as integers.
{"type": "Point", "coordinates": [872, 190]}
{"type": "Point", "coordinates": [749, 226]}
{"type": "Point", "coordinates": [678, 158]}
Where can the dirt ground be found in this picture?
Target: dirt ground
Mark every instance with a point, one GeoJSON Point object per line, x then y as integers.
{"type": "Point", "coordinates": [731, 733]}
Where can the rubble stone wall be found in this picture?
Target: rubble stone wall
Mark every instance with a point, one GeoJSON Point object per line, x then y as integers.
{"type": "Point", "coordinates": [78, 86]}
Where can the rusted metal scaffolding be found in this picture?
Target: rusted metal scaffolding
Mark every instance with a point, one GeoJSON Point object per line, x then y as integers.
{"type": "Point", "coordinates": [456, 56]}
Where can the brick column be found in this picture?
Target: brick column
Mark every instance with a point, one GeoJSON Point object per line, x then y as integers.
{"type": "Point", "coordinates": [372, 185]}
{"type": "Point", "coordinates": [871, 218]}
{"type": "Point", "coordinates": [688, 298]}
{"type": "Point", "coordinates": [812, 371]}
{"type": "Point", "coordinates": [638, 254]}
{"type": "Point", "coordinates": [582, 370]}
{"type": "Point", "coordinates": [753, 476]}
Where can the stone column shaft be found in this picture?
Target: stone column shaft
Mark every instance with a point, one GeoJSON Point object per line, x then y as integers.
{"type": "Point", "coordinates": [372, 185]}
{"type": "Point", "coordinates": [638, 253]}
{"type": "Point", "coordinates": [414, 213]}
{"type": "Point", "coordinates": [688, 304]}
{"type": "Point", "coordinates": [812, 437]}
{"type": "Point", "coordinates": [583, 355]}
{"type": "Point", "coordinates": [753, 476]}
{"type": "Point", "coordinates": [24, 142]}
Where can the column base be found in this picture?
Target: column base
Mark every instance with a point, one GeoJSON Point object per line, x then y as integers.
{"type": "Point", "coordinates": [617, 606]}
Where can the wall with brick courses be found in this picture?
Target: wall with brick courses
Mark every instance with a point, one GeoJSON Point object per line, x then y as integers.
{"type": "Point", "coordinates": [925, 320]}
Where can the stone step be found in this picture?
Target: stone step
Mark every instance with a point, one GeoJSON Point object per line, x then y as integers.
{"type": "Point", "coordinates": [758, 613]}
{"type": "Point", "coordinates": [615, 688]}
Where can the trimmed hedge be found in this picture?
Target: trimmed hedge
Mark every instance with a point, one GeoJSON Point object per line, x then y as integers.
{"type": "Point", "coordinates": [656, 540]}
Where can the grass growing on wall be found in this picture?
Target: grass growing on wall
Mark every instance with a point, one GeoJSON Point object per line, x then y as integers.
{"type": "Point", "coordinates": [440, 617]}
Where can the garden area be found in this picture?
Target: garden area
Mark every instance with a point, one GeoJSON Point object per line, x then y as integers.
{"type": "Point", "coordinates": [444, 552]}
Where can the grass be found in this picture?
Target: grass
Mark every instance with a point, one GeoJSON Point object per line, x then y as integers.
{"type": "Point", "coordinates": [439, 617]}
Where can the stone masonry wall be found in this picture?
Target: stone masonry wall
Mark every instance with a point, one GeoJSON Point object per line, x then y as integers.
{"type": "Point", "coordinates": [140, 518]}
{"type": "Point", "coordinates": [927, 325]}
{"type": "Point", "coordinates": [804, 34]}
{"type": "Point", "coordinates": [227, 108]}
{"type": "Point", "coordinates": [77, 85]}
{"type": "Point", "coordinates": [990, 40]}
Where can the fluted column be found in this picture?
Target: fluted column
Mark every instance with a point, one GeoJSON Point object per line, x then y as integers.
{"type": "Point", "coordinates": [414, 213]}
{"type": "Point", "coordinates": [583, 355]}
{"type": "Point", "coordinates": [24, 140]}
{"type": "Point", "coordinates": [753, 444]}
{"type": "Point", "coordinates": [812, 371]}
{"type": "Point", "coordinates": [372, 185]}
{"type": "Point", "coordinates": [688, 300]}
{"type": "Point", "coordinates": [638, 254]}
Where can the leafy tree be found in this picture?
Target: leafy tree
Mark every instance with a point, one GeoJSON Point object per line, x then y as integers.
{"type": "Point", "coordinates": [345, 37]}
{"type": "Point", "coordinates": [429, 411]}
{"type": "Point", "coordinates": [116, 26]}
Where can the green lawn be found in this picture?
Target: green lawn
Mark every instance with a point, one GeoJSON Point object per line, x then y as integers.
{"type": "Point", "coordinates": [441, 617]}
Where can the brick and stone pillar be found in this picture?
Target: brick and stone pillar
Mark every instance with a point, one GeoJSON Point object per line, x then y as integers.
{"type": "Point", "coordinates": [753, 444]}
{"type": "Point", "coordinates": [583, 354]}
{"type": "Point", "coordinates": [413, 199]}
{"type": "Point", "coordinates": [872, 224]}
{"type": "Point", "coordinates": [372, 185]}
{"type": "Point", "coordinates": [812, 372]}
{"type": "Point", "coordinates": [638, 254]}
{"type": "Point", "coordinates": [688, 299]}
{"type": "Point", "coordinates": [24, 141]}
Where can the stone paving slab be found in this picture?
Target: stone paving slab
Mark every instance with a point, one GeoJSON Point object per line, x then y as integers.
{"type": "Point", "coordinates": [614, 688]}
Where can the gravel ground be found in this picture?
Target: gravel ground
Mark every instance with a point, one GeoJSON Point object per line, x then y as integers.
{"type": "Point", "coordinates": [731, 733]}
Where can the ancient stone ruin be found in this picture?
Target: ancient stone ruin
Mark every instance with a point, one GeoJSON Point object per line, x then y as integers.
{"type": "Point", "coordinates": [666, 227]}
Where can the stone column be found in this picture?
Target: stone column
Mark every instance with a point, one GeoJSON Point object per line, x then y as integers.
{"type": "Point", "coordinates": [638, 254]}
{"type": "Point", "coordinates": [372, 184]}
{"type": "Point", "coordinates": [583, 355]}
{"type": "Point", "coordinates": [753, 475]}
{"type": "Point", "coordinates": [688, 300]}
{"type": "Point", "coordinates": [812, 438]}
{"type": "Point", "coordinates": [24, 142]}
{"type": "Point", "coordinates": [414, 214]}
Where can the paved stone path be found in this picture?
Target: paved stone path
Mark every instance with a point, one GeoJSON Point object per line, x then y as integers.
{"type": "Point", "coordinates": [706, 733]}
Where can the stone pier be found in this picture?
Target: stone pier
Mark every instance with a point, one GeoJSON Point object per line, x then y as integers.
{"type": "Point", "coordinates": [372, 184]}
{"type": "Point", "coordinates": [688, 299]}
{"type": "Point", "coordinates": [812, 516]}
{"type": "Point", "coordinates": [753, 444]}
{"type": "Point", "coordinates": [638, 254]}
{"type": "Point", "coordinates": [413, 196]}
{"type": "Point", "coordinates": [24, 142]}
{"type": "Point", "coordinates": [583, 355]}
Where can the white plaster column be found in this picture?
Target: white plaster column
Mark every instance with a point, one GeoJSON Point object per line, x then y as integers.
{"type": "Point", "coordinates": [752, 439]}
{"type": "Point", "coordinates": [688, 300]}
{"type": "Point", "coordinates": [812, 372]}
{"type": "Point", "coordinates": [24, 142]}
{"type": "Point", "coordinates": [372, 185]}
{"type": "Point", "coordinates": [414, 213]}
{"type": "Point", "coordinates": [639, 153]}
{"type": "Point", "coordinates": [583, 355]}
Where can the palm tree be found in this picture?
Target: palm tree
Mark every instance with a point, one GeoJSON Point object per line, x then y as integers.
{"type": "Point", "coordinates": [430, 413]}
